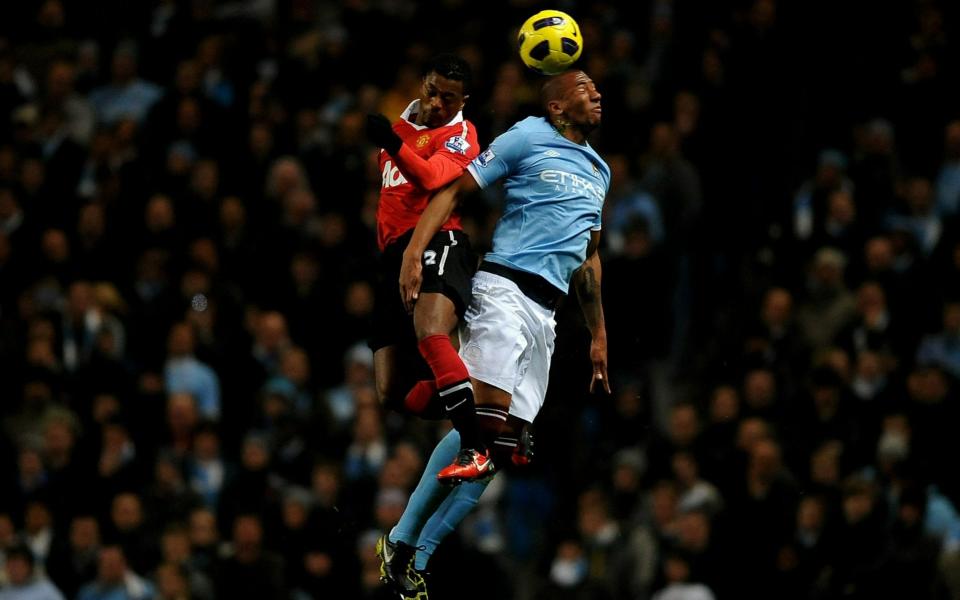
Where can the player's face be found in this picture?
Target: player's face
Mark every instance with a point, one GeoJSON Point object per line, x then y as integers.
{"type": "Point", "coordinates": [440, 100]}
{"type": "Point", "coordinates": [582, 101]}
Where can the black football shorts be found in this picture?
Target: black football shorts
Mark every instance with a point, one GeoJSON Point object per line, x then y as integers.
{"type": "Point", "coordinates": [448, 267]}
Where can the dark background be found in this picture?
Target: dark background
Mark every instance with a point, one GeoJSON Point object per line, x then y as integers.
{"type": "Point", "coordinates": [187, 218]}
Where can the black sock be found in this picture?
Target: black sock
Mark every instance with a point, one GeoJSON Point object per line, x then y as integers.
{"type": "Point", "coordinates": [457, 401]}
{"type": "Point", "coordinates": [491, 420]}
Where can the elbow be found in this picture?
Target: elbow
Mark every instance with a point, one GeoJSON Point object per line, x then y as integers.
{"type": "Point", "coordinates": [436, 181]}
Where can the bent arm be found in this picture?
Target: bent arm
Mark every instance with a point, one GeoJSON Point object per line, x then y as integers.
{"type": "Point", "coordinates": [439, 209]}
{"type": "Point", "coordinates": [586, 281]}
{"type": "Point", "coordinates": [431, 173]}
{"type": "Point", "coordinates": [437, 213]}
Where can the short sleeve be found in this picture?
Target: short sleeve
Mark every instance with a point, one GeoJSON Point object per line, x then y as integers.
{"type": "Point", "coordinates": [500, 158]}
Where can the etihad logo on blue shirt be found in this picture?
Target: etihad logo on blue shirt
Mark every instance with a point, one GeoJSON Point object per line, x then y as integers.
{"type": "Point", "coordinates": [571, 182]}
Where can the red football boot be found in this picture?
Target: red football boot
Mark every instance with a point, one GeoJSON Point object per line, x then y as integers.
{"type": "Point", "coordinates": [469, 465]}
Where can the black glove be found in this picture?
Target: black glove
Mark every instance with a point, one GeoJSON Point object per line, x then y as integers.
{"type": "Point", "coordinates": [380, 132]}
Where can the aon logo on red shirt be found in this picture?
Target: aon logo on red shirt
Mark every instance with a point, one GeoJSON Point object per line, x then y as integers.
{"type": "Point", "coordinates": [392, 177]}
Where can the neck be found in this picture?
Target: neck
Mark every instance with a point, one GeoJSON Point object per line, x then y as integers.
{"type": "Point", "coordinates": [569, 130]}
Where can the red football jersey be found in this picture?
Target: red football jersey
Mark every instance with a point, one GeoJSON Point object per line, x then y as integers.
{"type": "Point", "coordinates": [428, 160]}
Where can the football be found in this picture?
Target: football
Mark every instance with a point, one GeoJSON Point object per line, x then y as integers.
{"type": "Point", "coordinates": [549, 42]}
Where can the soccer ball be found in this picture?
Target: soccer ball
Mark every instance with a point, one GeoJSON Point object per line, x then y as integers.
{"type": "Point", "coordinates": [549, 42]}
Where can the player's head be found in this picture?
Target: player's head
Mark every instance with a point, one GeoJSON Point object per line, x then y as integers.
{"type": "Point", "coordinates": [445, 88]}
{"type": "Point", "coordinates": [571, 99]}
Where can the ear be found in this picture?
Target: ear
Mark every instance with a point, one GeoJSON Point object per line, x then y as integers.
{"type": "Point", "coordinates": [555, 107]}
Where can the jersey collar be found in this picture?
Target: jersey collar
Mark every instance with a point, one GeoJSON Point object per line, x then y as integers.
{"type": "Point", "coordinates": [412, 109]}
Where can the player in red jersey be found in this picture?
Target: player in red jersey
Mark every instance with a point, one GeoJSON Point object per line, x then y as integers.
{"type": "Point", "coordinates": [429, 147]}
{"type": "Point", "coordinates": [425, 150]}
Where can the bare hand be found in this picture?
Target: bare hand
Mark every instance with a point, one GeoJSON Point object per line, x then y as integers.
{"type": "Point", "coordinates": [411, 276]}
{"type": "Point", "coordinates": [598, 356]}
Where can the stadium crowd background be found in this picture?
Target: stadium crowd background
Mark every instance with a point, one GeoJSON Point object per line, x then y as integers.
{"type": "Point", "coordinates": [187, 214]}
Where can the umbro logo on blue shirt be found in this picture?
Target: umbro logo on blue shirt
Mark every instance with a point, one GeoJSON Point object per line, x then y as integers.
{"type": "Point", "coordinates": [551, 153]}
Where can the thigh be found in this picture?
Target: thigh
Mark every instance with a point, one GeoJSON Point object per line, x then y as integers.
{"type": "Point", "coordinates": [397, 362]}
{"type": "Point", "coordinates": [531, 389]}
{"type": "Point", "coordinates": [492, 342]}
{"type": "Point", "coordinates": [434, 314]}
{"type": "Point", "coordinates": [391, 325]}
{"type": "Point", "coordinates": [448, 267]}
{"type": "Point", "coordinates": [396, 368]}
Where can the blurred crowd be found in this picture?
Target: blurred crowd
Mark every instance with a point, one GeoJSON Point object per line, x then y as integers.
{"type": "Point", "coordinates": [187, 254]}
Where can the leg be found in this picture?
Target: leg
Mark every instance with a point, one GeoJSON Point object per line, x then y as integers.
{"type": "Point", "coordinates": [493, 405]}
{"type": "Point", "coordinates": [434, 318]}
{"type": "Point", "coordinates": [396, 549]}
{"type": "Point", "coordinates": [391, 386]}
{"type": "Point", "coordinates": [428, 494]}
{"type": "Point", "coordinates": [385, 375]}
{"type": "Point", "coordinates": [397, 366]}
{"type": "Point", "coordinates": [460, 503]}
{"type": "Point", "coordinates": [507, 341]}
{"type": "Point", "coordinates": [445, 520]}
{"type": "Point", "coordinates": [496, 343]}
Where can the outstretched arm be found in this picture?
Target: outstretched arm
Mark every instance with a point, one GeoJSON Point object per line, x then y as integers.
{"type": "Point", "coordinates": [587, 283]}
{"type": "Point", "coordinates": [438, 211]}
{"type": "Point", "coordinates": [431, 173]}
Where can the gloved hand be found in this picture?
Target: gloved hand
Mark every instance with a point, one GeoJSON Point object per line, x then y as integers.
{"type": "Point", "coordinates": [380, 132]}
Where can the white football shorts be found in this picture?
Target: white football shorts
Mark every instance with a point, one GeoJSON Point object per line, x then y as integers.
{"type": "Point", "coordinates": [508, 341]}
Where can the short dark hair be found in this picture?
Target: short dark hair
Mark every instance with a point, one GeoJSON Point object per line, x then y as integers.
{"type": "Point", "coordinates": [450, 66]}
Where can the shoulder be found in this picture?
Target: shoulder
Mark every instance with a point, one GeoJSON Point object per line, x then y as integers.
{"type": "Point", "coordinates": [533, 125]}
{"type": "Point", "coordinates": [525, 130]}
{"type": "Point", "coordinates": [469, 126]}
{"type": "Point", "coordinates": [49, 590]}
{"type": "Point", "coordinates": [598, 162]}
{"type": "Point", "coordinates": [460, 138]}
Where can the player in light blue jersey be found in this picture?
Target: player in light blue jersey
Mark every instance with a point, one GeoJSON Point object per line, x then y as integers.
{"type": "Point", "coordinates": [546, 239]}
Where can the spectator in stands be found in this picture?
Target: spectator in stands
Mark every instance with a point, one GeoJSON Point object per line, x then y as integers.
{"type": "Point", "coordinates": [948, 179]}
{"type": "Point", "coordinates": [249, 569]}
{"type": "Point", "coordinates": [115, 579]}
{"type": "Point", "coordinates": [829, 305]}
{"type": "Point", "coordinates": [126, 96]}
{"type": "Point", "coordinates": [943, 349]}
{"type": "Point", "coordinates": [183, 372]}
{"type": "Point", "coordinates": [24, 582]}
{"type": "Point", "coordinates": [74, 563]}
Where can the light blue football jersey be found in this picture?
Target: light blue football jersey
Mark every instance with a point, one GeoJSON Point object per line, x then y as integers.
{"type": "Point", "coordinates": [554, 195]}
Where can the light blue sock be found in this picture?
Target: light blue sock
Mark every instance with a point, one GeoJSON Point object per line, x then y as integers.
{"type": "Point", "coordinates": [429, 493]}
{"type": "Point", "coordinates": [446, 519]}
